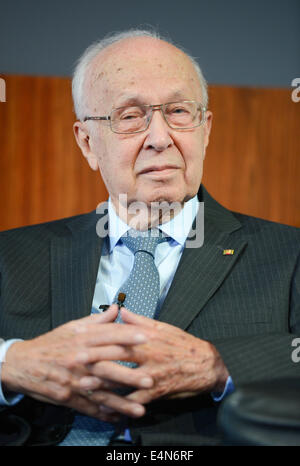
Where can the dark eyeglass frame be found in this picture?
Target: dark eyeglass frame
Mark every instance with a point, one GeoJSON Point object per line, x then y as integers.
{"type": "Point", "coordinates": [149, 118]}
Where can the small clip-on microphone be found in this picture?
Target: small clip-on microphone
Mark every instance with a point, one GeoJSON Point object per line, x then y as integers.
{"type": "Point", "coordinates": [121, 299]}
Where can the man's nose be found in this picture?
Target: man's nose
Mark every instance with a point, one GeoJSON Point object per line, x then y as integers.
{"type": "Point", "coordinates": [158, 133]}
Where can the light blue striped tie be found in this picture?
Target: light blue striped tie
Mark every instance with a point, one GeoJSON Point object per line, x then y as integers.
{"type": "Point", "coordinates": [142, 294]}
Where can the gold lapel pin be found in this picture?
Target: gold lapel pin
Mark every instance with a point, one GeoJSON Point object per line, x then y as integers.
{"type": "Point", "coordinates": [228, 252]}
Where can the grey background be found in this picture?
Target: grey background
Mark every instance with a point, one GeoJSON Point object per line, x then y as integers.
{"type": "Point", "coordinates": [238, 42]}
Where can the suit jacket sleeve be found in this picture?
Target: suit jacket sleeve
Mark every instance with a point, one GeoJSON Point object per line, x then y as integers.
{"type": "Point", "coordinates": [267, 356]}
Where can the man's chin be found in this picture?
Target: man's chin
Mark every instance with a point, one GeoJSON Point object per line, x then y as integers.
{"type": "Point", "coordinates": [160, 195]}
{"type": "Point", "coordinates": [156, 208]}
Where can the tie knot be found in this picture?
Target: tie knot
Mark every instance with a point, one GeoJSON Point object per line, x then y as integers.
{"type": "Point", "coordinates": [143, 240]}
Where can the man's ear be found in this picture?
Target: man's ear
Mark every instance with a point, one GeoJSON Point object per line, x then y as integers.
{"type": "Point", "coordinates": [207, 129]}
{"type": "Point", "coordinates": [83, 140]}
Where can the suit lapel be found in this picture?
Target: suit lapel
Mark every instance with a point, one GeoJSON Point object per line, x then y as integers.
{"type": "Point", "coordinates": [201, 271]}
{"type": "Point", "coordinates": [74, 266]}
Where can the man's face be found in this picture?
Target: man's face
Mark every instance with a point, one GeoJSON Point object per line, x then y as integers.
{"type": "Point", "coordinates": [159, 163]}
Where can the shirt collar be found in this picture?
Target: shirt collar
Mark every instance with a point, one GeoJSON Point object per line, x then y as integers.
{"type": "Point", "coordinates": [178, 228]}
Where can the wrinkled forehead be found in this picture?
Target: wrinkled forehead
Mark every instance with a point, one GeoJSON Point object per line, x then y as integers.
{"type": "Point", "coordinates": [140, 67]}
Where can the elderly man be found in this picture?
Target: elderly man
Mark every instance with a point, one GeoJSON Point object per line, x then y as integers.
{"type": "Point", "coordinates": [143, 368]}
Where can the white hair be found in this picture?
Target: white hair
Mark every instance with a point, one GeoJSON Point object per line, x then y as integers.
{"type": "Point", "coordinates": [94, 49]}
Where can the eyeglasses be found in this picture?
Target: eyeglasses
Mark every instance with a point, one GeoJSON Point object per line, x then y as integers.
{"type": "Point", "coordinates": [182, 115]}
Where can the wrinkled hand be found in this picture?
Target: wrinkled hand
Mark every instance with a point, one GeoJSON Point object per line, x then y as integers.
{"type": "Point", "coordinates": [180, 364]}
{"type": "Point", "coordinates": [52, 367]}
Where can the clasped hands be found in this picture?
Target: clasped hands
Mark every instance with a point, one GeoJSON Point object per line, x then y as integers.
{"type": "Point", "coordinates": [75, 365]}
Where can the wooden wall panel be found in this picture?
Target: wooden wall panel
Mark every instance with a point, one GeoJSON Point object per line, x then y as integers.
{"type": "Point", "coordinates": [43, 175]}
{"type": "Point", "coordinates": [253, 160]}
{"type": "Point", "coordinates": [252, 163]}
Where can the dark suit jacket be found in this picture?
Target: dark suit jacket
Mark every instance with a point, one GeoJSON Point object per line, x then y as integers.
{"type": "Point", "coordinates": [247, 304]}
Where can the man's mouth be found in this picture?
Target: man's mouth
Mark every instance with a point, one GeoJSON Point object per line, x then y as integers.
{"type": "Point", "coordinates": [159, 169]}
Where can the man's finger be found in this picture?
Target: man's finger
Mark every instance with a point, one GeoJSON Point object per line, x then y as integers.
{"type": "Point", "coordinates": [142, 396]}
{"type": "Point", "coordinates": [129, 317]}
{"type": "Point", "coordinates": [94, 383]}
{"type": "Point", "coordinates": [105, 353]}
{"type": "Point", "coordinates": [109, 315]}
{"type": "Point", "coordinates": [111, 334]}
{"type": "Point", "coordinates": [117, 403]}
{"type": "Point", "coordinates": [122, 375]}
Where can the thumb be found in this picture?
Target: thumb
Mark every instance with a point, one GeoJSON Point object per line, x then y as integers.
{"type": "Point", "coordinates": [109, 315]}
